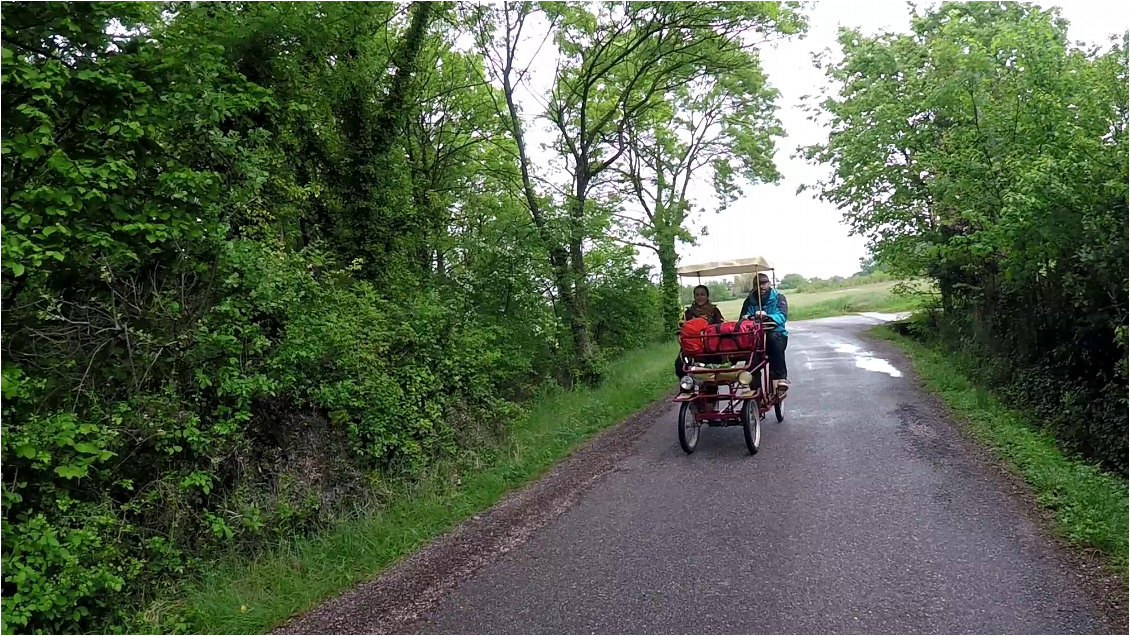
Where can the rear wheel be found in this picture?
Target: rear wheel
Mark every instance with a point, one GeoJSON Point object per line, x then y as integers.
{"type": "Point", "coordinates": [688, 428]}
{"type": "Point", "coordinates": [751, 426]}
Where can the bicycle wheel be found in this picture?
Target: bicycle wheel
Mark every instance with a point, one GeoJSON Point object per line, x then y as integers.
{"type": "Point", "coordinates": [689, 429]}
{"type": "Point", "coordinates": [751, 426]}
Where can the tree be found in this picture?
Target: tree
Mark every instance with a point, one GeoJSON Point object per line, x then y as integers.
{"type": "Point", "coordinates": [499, 35]}
{"type": "Point", "coordinates": [722, 124]}
{"type": "Point", "coordinates": [451, 145]}
{"type": "Point", "coordinates": [621, 63]}
{"type": "Point", "coordinates": [617, 62]}
{"type": "Point", "coordinates": [343, 78]}
{"type": "Point", "coordinates": [985, 152]}
{"type": "Point", "coordinates": [792, 281]}
{"type": "Point", "coordinates": [371, 218]}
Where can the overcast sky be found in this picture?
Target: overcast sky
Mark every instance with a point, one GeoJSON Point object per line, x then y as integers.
{"type": "Point", "coordinates": [797, 233]}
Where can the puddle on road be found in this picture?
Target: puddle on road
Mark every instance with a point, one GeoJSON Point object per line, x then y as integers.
{"type": "Point", "coordinates": [885, 317]}
{"type": "Point", "coordinates": [877, 364]}
{"type": "Point", "coordinates": [865, 360]}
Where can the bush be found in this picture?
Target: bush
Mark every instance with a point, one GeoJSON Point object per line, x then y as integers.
{"type": "Point", "coordinates": [194, 439]}
{"type": "Point", "coordinates": [1016, 209]}
{"type": "Point", "coordinates": [189, 456]}
{"type": "Point", "coordinates": [1088, 416]}
{"type": "Point", "coordinates": [626, 307]}
{"type": "Point", "coordinates": [246, 280]}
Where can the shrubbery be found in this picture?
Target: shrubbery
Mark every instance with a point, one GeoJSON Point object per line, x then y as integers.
{"type": "Point", "coordinates": [229, 315]}
{"type": "Point", "coordinates": [987, 153]}
{"type": "Point", "coordinates": [184, 440]}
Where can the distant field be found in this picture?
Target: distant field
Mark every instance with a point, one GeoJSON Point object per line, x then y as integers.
{"type": "Point", "coordinates": [837, 302]}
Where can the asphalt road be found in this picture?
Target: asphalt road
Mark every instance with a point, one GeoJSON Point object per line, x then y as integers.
{"type": "Point", "coordinates": [866, 511]}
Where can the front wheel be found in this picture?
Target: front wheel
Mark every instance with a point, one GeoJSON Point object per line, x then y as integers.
{"type": "Point", "coordinates": [778, 412]}
{"type": "Point", "coordinates": [688, 429]}
{"type": "Point", "coordinates": [751, 426]}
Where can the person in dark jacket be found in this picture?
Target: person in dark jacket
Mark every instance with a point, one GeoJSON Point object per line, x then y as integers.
{"type": "Point", "coordinates": [703, 308]}
{"type": "Point", "coordinates": [700, 308]}
{"type": "Point", "coordinates": [772, 305]}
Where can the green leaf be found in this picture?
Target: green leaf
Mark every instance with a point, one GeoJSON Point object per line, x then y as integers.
{"type": "Point", "coordinates": [17, 269]}
{"type": "Point", "coordinates": [71, 471]}
{"type": "Point", "coordinates": [26, 451]}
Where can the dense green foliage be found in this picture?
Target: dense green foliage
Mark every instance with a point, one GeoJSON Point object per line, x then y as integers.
{"type": "Point", "coordinates": [632, 78]}
{"type": "Point", "coordinates": [250, 596]}
{"type": "Point", "coordinates": [985, 152]}
{"type": "Point", "coordinates": [260, 258]}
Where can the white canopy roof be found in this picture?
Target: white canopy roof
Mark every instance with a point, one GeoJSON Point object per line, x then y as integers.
{"type": "Point", "coordinates": [722, 268]}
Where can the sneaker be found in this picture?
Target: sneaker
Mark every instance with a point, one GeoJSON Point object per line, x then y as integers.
{"type": "Point", "coordinates": [782, 387]}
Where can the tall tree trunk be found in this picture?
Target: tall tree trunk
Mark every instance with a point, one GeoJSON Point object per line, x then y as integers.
{"type": "Point", "coordinates": [405, 60]}
{"type": "Point", "coordinates": [578, 320]}
{"type": "Point", "coordinates": [558, 256]}
{"type": "Point", "coordinates": [372, 125]}
{"type": "Point", "coordinates": [669, 281]}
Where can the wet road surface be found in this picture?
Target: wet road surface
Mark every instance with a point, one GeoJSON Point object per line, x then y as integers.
{"type": "Point", "coordinates": [866, 511]}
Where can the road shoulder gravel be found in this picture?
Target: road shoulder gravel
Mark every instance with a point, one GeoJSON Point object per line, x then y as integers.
{"type": "Point", "coordinates": [395, 598]}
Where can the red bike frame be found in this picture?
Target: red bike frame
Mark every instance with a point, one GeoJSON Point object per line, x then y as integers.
{"type": "Point", "coordinates": [736, 394]}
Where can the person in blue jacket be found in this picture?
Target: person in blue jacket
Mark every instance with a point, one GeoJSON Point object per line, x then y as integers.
{"type": "Point", "coordinates": [775, 307]}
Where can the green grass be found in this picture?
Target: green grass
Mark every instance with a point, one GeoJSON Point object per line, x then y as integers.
{"type": "Point", "coordinates": [1090, 505]}
{"type": "Point", "coordinates": [837, 302]}
{"type": "Point", "coordinates": [253, 595]}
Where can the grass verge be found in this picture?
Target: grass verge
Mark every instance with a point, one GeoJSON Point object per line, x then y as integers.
{"type": "Point", "coordinates": [253, 595]}
{"type": "Point", "coordinates": [1090, 505]}
{"type": "Point", "coordinates": [855, 304]}
{"type": "Point", "coordinates": [838, 302]}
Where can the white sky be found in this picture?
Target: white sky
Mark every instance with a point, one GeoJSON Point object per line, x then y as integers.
{"type": "Point", "coordinates": [798, 233]}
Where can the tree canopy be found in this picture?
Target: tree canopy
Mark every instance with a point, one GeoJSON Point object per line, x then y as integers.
{"type": "Point", "coordinates": [986, 152]}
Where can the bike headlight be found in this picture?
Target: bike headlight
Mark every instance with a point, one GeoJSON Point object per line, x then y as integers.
{"type": "Point", "coordinates": [686, 383]}
{"type": "Point", "coordinates": [745, 378]}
